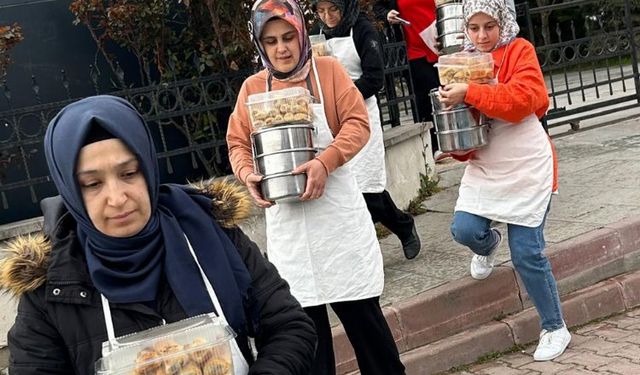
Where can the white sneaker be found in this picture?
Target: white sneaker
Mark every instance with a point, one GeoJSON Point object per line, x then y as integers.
{"type": "Point", "coordinates": [552, 344]}
{"type": "Point", "coordinates": [481, 266]}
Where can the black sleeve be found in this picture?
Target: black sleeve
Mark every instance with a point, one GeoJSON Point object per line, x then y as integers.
{"type": "Point", "coordinates": [35, 347]}
{"type": "Point", "coordinates": [284, 335]}
{"type": "Point", "coordinates": [369, 48]}
{"type": "Point", "coordinates": [381, 8]}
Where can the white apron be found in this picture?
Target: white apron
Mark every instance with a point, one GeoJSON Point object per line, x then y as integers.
{"type": "Point", "coordinates": [511, 179]}
{"type": "Point", "coordinates": [368, 164]}
{"type": "Point", "coordinates": [326, 248]}
{"type": "Point", "coordinates": [240, 365]}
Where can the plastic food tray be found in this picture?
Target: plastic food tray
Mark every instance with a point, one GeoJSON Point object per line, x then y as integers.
{"type": "Point", "coordinates": [465, 67]}
{"type": "Point", "coordinates": [194, 346]}
{"type": "Point", "coordinates": [288, 106]}
{"type": "Point", "coordinates": [319, 45]}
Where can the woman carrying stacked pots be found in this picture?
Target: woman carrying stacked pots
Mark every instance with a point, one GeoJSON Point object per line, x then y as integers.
{"type": "Point", "coordinates": [354, 41]}
{"type": "Point", "coordinates": [324, 245]}
{"type": "Point", "coordinates": [512, 178]}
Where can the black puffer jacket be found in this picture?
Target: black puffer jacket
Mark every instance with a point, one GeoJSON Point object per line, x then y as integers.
{"type": "Point", "coordinates": [60, 325]}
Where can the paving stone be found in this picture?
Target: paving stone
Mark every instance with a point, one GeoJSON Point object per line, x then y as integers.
{"type": "Point", "coordinates": [629, 352]}
{"type": "Point", "coordinates": [623, 367]}
{"type": "Point", "coordinates": [585, 359]}
{"type": "Point", "coordinates": [623, 321]}
{"type": "Point", "coordinates": [580, 371]}
{"type": "Point", "coordinates": [600, 346]}
{"type": "Point", "coordinates": [612, 333]}
{"type": "Point", "coordinates": [498, 369]}
{"type": "Point", "coordinates": [516, 360]}
{"type": "Point", "coordinates": [578, 339]}
{"type": "Point", "coordinates": [549, 367]}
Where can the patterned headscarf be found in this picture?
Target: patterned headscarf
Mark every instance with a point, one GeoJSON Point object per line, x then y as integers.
{"type": "Point", "coordinates": [349, 11]}
{"type": "Point", "coordinates": [496, 9]}
{"type": "Point", "coordinates": [264, 11]}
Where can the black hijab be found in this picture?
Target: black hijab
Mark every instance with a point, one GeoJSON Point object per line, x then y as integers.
{"type": "Point", "coordinates": [349, 10]}
{"type": "Point", "coordinates": [127, 270]}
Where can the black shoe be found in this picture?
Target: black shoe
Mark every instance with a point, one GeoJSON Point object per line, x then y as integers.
{"type": "Point", "coordinates": [411, 246]}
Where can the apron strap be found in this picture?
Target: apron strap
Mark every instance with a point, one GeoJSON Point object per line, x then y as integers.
{"type": "Point", "coordinates": [108, 321]}
{"type": "Point", "coordinates": [216, 304]}
{"type": "Point", "coordinates": [214, 299]}
{"type": "Point", "coordinates": [308, 80]}
{"type": "Point", "coordinates": [315, 72]}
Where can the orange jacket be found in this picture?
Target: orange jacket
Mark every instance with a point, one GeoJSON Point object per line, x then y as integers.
{"type": "Point", "coordinates": [520, 91]}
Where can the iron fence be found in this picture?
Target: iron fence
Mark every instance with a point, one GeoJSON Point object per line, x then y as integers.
{"type": "Point", "coordinates": [187, 118]}
{"type": "Point", "coordinates": [588, 51]}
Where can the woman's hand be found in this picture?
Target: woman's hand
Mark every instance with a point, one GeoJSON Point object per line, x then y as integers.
{"type": "Point", "coordinates": [253, 185]}
{"type": "Point", "coordinates": [453, 94]}
{"type": "Point", "coordinates": [316, 179]}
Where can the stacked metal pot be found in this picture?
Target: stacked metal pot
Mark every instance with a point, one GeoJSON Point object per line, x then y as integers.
{"type": "Point", "coordinates": [449, 25]}
{"type": "Point", "coordinates": [282, 139]}
{"type": "Point", "coordinates": [462, 127]}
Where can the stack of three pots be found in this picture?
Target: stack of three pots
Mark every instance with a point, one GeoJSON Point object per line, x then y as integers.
{"type": "Point", "coordinates": [282, 139]}
{"type": "Point", "coordinates": [461, 128]}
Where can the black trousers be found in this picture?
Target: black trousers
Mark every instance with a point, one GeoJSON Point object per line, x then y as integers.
{"type": "Point", "coordinates": [384, 211]}
{"type": "Point", "coordinates": [424, 77]}
{"type": "Point", "coordinates": [368, 333]}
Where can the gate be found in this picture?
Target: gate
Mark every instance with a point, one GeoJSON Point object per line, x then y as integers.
{"type": "Point", "coordinates": [588, 51]}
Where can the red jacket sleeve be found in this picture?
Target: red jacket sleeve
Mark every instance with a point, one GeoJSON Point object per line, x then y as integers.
{"type": "Point", "coordinates": [521, 90]}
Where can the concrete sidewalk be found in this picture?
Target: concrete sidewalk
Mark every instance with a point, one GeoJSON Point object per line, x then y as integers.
{"type": "Point", "coordinates": [592, 233]}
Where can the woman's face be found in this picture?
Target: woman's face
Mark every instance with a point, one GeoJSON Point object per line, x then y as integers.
{"type": "Point", "coordinates": [483, 31]}
{"type": "Point", "coordinates": [329, 13]}
{"type": "Point", "coordinates": [113, 188]}
{"type": "Point", "coordinates": [280, 41]}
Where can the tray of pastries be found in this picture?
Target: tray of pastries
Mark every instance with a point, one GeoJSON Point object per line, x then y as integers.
{"type": "Point", "coordinates": [465, 67]}
{"type": "Point", "coordinates": [194, 346]}
{"type": "Point", "coordinates": [273, 108]}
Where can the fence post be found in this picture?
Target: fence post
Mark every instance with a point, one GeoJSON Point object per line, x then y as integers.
{"type": "Point", "coordinates": [634, 48]}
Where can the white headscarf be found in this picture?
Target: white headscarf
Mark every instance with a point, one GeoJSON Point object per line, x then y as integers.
{"type": "Point", "coordinates": [496, 9]}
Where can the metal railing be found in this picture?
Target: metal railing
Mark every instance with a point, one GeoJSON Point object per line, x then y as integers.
{"type": "Point", "coordinates": [187, 119]}
{"type": "Point", "coordinates": [589, 56]}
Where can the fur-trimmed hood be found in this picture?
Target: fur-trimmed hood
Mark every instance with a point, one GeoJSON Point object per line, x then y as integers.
{"type": "Point", "coordinates": [25, 260]}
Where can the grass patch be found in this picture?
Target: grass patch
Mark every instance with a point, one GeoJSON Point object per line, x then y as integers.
{"type": "Point", "coordinates": [382, 231]}
{"type": "Point", "coordinates": [492, 356]}
{"type": "Point", "coordinates": [428, 187]}
{"type": "Point", "coordinates": [499, 317]}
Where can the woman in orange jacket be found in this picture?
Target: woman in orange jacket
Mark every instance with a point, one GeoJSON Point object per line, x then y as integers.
{"type": "Point", "coordinates": [510, 180]}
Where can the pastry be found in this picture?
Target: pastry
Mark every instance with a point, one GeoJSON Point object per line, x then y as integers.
{"type": "Point", "coordinates": [216, 366]}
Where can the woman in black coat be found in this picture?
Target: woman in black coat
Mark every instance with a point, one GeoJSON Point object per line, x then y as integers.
{"type": "Point", "coordinates": [117, 238]}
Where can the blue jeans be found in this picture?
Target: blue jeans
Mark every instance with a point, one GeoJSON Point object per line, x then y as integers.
{"type": "Point", "coordinates": [527, 246]}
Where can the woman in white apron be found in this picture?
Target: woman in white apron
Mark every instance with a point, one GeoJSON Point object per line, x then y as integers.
{"type": "Point", "coordinates": [352, 39]}
{"type": "Point", "coordinates": [125, 254]}
{"type": "Point", "coordinates": [325, 245]}
{"type": "Point", "coordinates": [511, 180]}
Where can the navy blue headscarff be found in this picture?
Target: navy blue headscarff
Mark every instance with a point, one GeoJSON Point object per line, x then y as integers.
{"type": "Point", "coordinates": [129, 269]}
